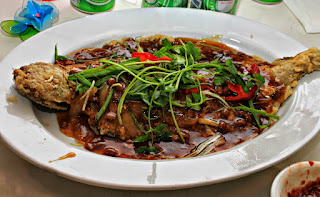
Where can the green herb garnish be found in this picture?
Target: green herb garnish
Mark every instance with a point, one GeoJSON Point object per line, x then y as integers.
{"type": "Point", "coordinates": [60, 57]}
{"type": "Point", "coordinates": [157, 85]}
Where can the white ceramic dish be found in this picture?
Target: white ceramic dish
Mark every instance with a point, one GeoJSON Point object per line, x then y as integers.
{"type": "Point", "coordinates": [35, 136]}
{"type": "Point", "coordinates": [295, 176]}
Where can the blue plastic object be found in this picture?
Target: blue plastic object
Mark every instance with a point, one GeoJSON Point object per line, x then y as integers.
{"type": "Point", "coordinates": [39, 15]}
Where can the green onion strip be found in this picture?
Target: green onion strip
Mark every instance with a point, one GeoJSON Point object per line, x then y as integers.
{"type": "Point", "coordinates": [174, 118]}
{"type": "Point", "coordinates": [257, 111]}
{"type": "Point", "coordinates": [150, 107]}
{"type": "Point", "coordinates": [149, 113]}
{"type": "Point", "coordinates": [105, 105]}
{"type": "Point", "coordinates": [256, 117]}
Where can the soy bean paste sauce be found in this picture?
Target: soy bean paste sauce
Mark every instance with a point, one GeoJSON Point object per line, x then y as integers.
{"type": "Point", "coordinates": [234, 124]}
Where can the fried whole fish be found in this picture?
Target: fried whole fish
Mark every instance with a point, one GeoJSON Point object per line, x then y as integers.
{"type": "Point", "coordinates": [48, 85]}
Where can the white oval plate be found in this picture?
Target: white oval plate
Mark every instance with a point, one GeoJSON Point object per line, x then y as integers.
{"type": "Point", "coordinates": [35, 136]}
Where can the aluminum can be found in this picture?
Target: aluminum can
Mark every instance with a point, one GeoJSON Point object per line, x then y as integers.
{"type": "Point", "coordinates": [93, 6]}
{"type": "Point", "coordinates": [268, 1]}
{"type": "Point", "coordinates": [226, 6]}
{"type": "Point", "coordinates": [164, 3]}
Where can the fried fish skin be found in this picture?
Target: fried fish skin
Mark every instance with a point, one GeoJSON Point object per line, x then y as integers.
{"type": "Point", "coordinates": [45, 84]}
{"type": "Point", "coordinates": [290, 69]}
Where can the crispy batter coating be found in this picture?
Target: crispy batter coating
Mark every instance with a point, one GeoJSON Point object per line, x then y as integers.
{"type": "Point", "coordinates": [45, 84]}
{"type": "Point", "coordinates": [289, 70]}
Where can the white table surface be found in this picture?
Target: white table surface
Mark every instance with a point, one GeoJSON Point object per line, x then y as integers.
{"type": "Point", "coordinates": [20, 178]}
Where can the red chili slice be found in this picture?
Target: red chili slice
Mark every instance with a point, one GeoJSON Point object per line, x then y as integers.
{"type": "Point", "coordinates": [144, 56]}
{"type": "Point", "coordinates": [242, 96]}
{"type": "Point", "coordinates": [237, 88]}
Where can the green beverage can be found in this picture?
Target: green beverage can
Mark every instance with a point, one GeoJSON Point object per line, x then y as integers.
{"type": "Point", "coordinates": [164, 3]}
{"type": "Point", "coordinates": [268, 1]}
{"type": "Point", "coordinates": [93, 6]}
{"type": "Point", "coordinates": [226, 6]}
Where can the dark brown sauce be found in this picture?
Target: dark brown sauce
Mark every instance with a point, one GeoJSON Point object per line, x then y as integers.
{"type": "Point", "coordinates": [79, 129]}
{"type": "Point", "coordinates": [78, 126]}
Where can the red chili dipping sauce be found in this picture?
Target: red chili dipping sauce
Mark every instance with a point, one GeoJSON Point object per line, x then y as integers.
{"type": "Point", "coordinates": [312, 189]}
